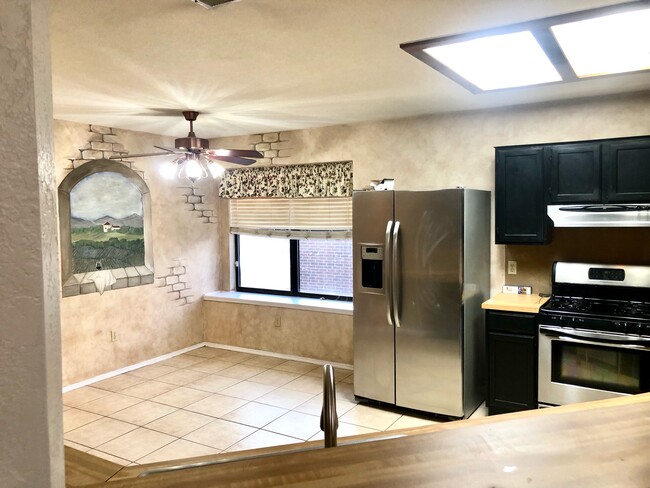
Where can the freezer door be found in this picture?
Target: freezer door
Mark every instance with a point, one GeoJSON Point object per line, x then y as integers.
{"type": "Point", "coordinates": [374, 337]}
{"type": "Point", "coordinates": [428, 341]}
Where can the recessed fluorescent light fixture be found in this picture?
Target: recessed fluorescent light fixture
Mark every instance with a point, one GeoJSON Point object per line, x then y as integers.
{"type": "Point", "coordinates": [616, 43]}
{"type": "Point", "coordinates": [501, 61]}
{"type": "Point", "coordinates": [571, 47]}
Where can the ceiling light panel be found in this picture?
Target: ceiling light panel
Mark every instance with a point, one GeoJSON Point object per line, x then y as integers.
{"type": "Point", "coordinates": [496, 62]}
{"type": "Point", "coordinates": [617, 43]}
{"type": "Point", "coordinates": [565, 48]}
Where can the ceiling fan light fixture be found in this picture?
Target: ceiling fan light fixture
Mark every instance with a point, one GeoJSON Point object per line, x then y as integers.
{"type": "Point", "coordinates": [216, 169]}
{"type": "Point", "coordinates": [194, 158]}
{"type": "Point", "coordinates": [169, 170]}
{"type": "Point", "coordinates": [193, 168]}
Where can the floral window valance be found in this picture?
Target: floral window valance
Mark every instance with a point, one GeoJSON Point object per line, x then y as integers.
{"type": "Point", "coordinates": [294, 181]}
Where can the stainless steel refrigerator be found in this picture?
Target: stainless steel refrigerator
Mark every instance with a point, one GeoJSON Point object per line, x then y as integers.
{"type": "Point", "coordinates": [421, 272]}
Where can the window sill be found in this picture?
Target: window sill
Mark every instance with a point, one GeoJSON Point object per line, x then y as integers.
{"type": "Point", "coordinates": [314, 304]}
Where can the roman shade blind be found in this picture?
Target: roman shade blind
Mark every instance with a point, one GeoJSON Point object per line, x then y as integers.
{"type": "Point", "coordinates": [295, 201]}
{"type": "Point", "coordinates": [292, 217]}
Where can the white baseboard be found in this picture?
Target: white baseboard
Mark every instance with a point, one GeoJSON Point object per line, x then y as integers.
{"type": "Point", "coordinates": [126, 369]}
{"type": "Point", "coordinates": [170, 355]}
{"type": "Point", "coordinates": [279, 355]}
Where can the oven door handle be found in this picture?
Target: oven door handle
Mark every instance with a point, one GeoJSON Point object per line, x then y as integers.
{"type": "Point", "coordinates": [601, 338]}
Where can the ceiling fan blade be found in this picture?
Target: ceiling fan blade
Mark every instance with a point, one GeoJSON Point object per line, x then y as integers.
{"type": "Point", "coordinates": [172, 149]}
{"type": "Point", "coordinates": [129, 156]}
{"type": "Point", "coordinates": [243, 153]}
{"type": "Point", "coordinates": [160, 112]}
{"type": "Point", "coordinates": [231, 159]}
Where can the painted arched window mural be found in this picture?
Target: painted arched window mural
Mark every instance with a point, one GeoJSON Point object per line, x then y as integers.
{"type": "Point", "coordinates": [106, 223]}
{"type": "Point", "coordinates": [105, 220]}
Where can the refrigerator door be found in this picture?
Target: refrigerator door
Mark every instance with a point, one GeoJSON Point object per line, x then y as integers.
{"type": "Point", "coordinates": [374, 337]}
{"type": "Point", "coordinates": [476, 289]}
{"type": "Point", "coordinates": [428, 341]}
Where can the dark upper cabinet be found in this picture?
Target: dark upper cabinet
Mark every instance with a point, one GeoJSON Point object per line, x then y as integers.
{"type": "Point", "coordinates": [520, 204]}
{"type": "Point", "coordinates": [512, 361]}
{"type": "Point", "coordinates": [627, 170]}
{"type": "Point", "coordinates": [528, 178]}
{"type": "Point", "coordinates": [574, 174]}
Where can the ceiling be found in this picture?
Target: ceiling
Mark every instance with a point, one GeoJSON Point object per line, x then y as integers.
{"type": "Point", "coordinates": [255, 66]}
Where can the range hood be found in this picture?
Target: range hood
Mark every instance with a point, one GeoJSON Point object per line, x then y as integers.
{"type": "Point", "coordinates": [600, 215]}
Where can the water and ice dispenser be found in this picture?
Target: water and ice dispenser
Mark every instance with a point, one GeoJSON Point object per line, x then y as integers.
{"type": "Point", "coordinates": [372, 265]}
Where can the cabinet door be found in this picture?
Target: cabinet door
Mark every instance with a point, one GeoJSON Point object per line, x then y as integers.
{"type": "Point", "coordinates": [574, 173]}
{"type": "Point", "coordinates": [512, 372]}
{"type": "Point", "coordinates": [520, 209]}
{"type": "Point", "coordinates": [627, 170]}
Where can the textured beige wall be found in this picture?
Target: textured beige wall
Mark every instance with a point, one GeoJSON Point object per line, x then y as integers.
{"type": "Point", "coordinates": [606, 246]}
{"type": "Point", "coordinates": [447, 150]}
{"type": "Point", "coordinates": [148, 323]}
{"type": "Point", "coordinates": [305, 333]}
{"type": "Point", "coordinates": [31, 423]}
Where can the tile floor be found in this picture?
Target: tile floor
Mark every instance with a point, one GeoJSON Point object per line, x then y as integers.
{"type": "Point", "coordinates": [212, 400]}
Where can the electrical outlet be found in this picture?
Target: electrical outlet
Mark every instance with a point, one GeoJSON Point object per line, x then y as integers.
{"type": "Point", "coordinates": [512, 267]}
{"type": "Point", "coordinates": [277, 321]}
{"type": "Point", "coordinates": [113, 336]}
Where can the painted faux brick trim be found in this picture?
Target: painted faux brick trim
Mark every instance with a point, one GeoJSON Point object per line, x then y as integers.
{"type": "Point", "coordinates": [102, 144]}
{"type": "Point", "coordinates": [81, 284]}
{"type": "Point", "coordinates": [275, 147]}
{"type": "Point", "coordinates": [176, 283]}
{"type": "Point", "coordinates": [194, 203]}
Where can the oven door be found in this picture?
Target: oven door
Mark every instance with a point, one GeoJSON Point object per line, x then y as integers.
{"type": "Point", "coordinates": [578, 366]}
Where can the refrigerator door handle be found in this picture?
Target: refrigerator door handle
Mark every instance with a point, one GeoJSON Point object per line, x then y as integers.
{"type": "Point", "coordinates": [395, 291]}
{"type": "Point", "coordinates": [389, 280]}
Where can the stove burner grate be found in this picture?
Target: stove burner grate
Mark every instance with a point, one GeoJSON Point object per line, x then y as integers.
{"type": "Point", "coordinates": [614, 309]}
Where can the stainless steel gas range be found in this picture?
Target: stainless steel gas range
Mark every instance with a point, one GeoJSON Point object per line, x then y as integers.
{"type": "Point", "coordinates": [594, 334]}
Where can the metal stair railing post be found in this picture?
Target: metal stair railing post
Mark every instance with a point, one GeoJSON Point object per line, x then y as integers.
{"type": "Point", "coordinates": [329, 421]}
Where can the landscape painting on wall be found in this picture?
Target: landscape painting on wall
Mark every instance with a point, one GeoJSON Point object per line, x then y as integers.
{"type": "Point", "coordinates": [106, 223]}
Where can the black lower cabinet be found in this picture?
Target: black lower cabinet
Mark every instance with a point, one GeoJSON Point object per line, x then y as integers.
{"type": "Point", "coordinates": [512, 361]}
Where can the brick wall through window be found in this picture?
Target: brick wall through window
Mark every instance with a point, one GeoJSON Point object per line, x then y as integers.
{"type": "Point", "coordinates": [326, 266]}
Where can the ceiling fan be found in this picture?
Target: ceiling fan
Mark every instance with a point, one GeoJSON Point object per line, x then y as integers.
{"type": "Point", "coordinates": [195, 159]}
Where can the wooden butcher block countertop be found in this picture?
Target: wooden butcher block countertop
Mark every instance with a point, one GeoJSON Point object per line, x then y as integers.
{"type": "Point", "coordinates": [597, 444]}
{"type": "Point", "coordinates": [515, 303]}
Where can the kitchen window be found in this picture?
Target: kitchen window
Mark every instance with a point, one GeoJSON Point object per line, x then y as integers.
{"type": "Point", "coordinates": [298, 247]}
{"type": "Point", "coordinates": [317, 268]}
{"type": "Point", "coordinates": [292, 228]}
